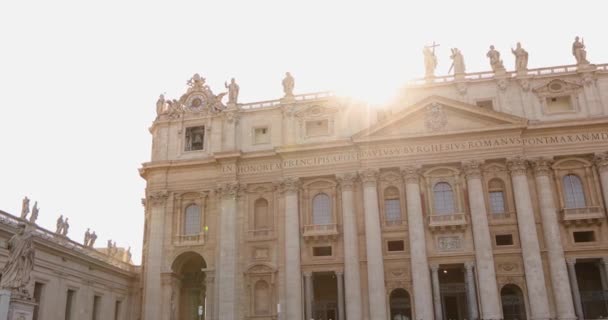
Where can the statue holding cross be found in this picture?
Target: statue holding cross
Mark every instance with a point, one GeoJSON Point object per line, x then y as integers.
{"type": "Point", "coordinates": [430, 60]}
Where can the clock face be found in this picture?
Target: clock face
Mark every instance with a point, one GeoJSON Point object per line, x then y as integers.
{"type": "Point", "coordinates": [197, 102]}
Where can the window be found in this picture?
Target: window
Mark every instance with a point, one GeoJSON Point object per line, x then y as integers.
{"type": "Point", "coordinates": [262, 298]}
{"type": "Point", "coordinates": [69, 302]}
{"type": "Point", "coordinates": [396, 245]}
{"type": "Point", "coordinates": [583, 236]}
{"type": "Point", "coordinates": [260, 213]}
{"type": "Point", "coordinates": [195, 138]}
{"type": "Point", "coordinates": [261, 135]}
{"type": "Point", "coordinates": [321, 209]}
{"type": "Point", "coordinates": [485, 104]}
{"type": "Point", "coordinates": [192, 220]}
{"type": "Point", "coordinates": [559, 104]}
{"type": "Point", "coordinates": [96, 307]}
{"type": "Point", "coordinates": [574, 197]}
{"type": "Point", "coordinates": [321, 251]}
{"type": "Point", "coordinates": [117, 309]}
{"type": "Point", "coordinates": [392, 206]}
{"type": "Point", "coordinates": [443, 198]}
{"type": "Point", "coordinates": [504, 240]}
{"type": "Point", "coordinates": [38, 290]}
{"type": "Point", "coordinates": [497, 196]}
{"type": "Point", "coordinates": [317, 128]}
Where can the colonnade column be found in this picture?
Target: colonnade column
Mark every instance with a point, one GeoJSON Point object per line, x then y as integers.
{"type": "Point", "coordinates": [488, 289]}
{"type": "Point", "coordinates": [227, 264]}
{"type": "Point", "coordinates": [601, 162]}
{"type": "Point", "coordinates": [574, 285]}
{"type": "Point", "coordinates": [209, 295]}
{"type": "Point", "coordinates": [351, 248]}
{"type": "Point", "coordinates": [293, 277]}
{"type": "Point", "coordinates": [533, 265]}
{"type": "Point", "coordinates": [373, 237]}
{"type": "Point", "coordinates": [421, 279]}
{"type": "Point", "coordinates": [308, 289]}
{"type": "Point", "coordinates": [471, 295]}
{"type": "Point", "coordinates": [557, 262]}
{"type": "Point", "coordinates": [340, 282]}
{"type": "Point", "coordinates": [436, 294]}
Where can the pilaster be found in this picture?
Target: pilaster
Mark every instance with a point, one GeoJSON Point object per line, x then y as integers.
{"type": "Point", "coordinates": [293, 279]}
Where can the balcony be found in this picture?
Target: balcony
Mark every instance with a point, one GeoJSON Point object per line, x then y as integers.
{"type": "Point", "coordinates": [320, 232]}
{"type": "Point", "coordinates": [502, 218]}
{"type": "Point", "coordinates": [190, 240]}
{"type": "Point", "coordinates": [447, 222]}
{"type": "Point", "coordinates": [395, 224]}
{"type": "Point", "coordinates": [261, 234]}
{"type": "Point", "coordinates": [583, 216]}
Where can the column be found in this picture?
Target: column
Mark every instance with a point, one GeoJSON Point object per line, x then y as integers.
{"type": "Point", "coordinates": [351, 248]}
{"type": "Point", "coordinates": [471, 294]}
{"type": "Point", "coordinates": [340, 281]}
{"type": "Point", "coordinates": [436, 294]}
{"type": "Point", "coordinates": [601, 162]}
{"type": "Point", "coordinates": [293, 278]}
{"type": "Point", "coordinates": [553, 241]}
{"type": "Point", "coordinates": [533, 265]}
{"type": "Point", "coordinates": [421, 279]}
{"type": "Point", "coordinates": [576, 294]}
{"type": "Point", "coordinates": [227, 262]}
{"type": "Point", "coordinates": [373, 240]}
{"type": "Point", "coordinates": [209, 295]}
{"type": "Point", "coordinates": [604, 271]}
{"type": "Point", "coordinates": [308, 289]}
{"type": "Point", "coordinates": [484, 257]}
{"type": "Point", "coordinates": [155, 211]}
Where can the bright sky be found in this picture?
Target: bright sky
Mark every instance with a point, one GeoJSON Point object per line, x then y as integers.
{"type": "Point", "coordinates": [79, 79]}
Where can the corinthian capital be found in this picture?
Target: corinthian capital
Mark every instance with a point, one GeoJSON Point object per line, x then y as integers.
{"type": "Point", "coordinates": [369, 176]}
{"type": "Point", "coordinates": [347, 181]}
{"type": "Point", "coordinates": [517, 166]}
{"type": "Point", "coordinates": [158, 198]}
{"type": "Point", "coordinates": [229, 189]}
{"type": "Point", "coordinates": [472, 169]}
{"type": "Point", "coordinates": [601, 161]}
{"type": "Point", "coordinates": [541, 166]}
{"type": "Point", "coordinates": [289, 185]}
{"type": "Point", "coordinates": [411, 174]}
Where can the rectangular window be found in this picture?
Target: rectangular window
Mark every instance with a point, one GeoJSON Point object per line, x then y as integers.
{"type": "Point", "coordinates": [69, 302]}
{"type": "Point", "coordinates": [584, 236]}
{"type": "Point", "coordinates": [321, 251]}
{"type": "Point", "coordinates": [559, 104]}
{"type": "Point", "coordinates": [504, 240]}
{"type": "Point", "coordinates": [317, 128]}
{"type": "Point", "coordinates": [38, 290]}
{"type": "Point", "coordinates": [261, 135]}
{"type": "Point", "coordinates": [497, 202]}
{"type": "Point", "coordinates": [117, 309]}
{"type": "Point", "coordinates": [396, 245]}
{"type": "Point", "coordinates": [96, 307]}
{"type": "Point", "coordinates": [485, 104]}
{"type": "Point", "coordinates": [392, 211]}
{"type": "Point", "coordinates": [195, 138]}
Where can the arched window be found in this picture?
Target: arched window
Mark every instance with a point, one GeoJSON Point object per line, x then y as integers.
{"type": "Point", "coordinates": [400, 305]}
{"type": "Point", "coordinates": [513, 307]}
{"type": "Point", "coordinates": [192, 220]}
{"type": "Point", "coordinates": [261, 294]}
{"type": "Point", "coordinates": [321, 209]}
{"type": "Point", "coordinates": [443, 198]}
{"type": "Point", "coordinates": [574, 196]}
{"type": "Point", "coordinates": [260, 212]}
{"type": "Point", "coordinates": [496, 189]}
{"type": "Point", "coordinates": [392, 206]}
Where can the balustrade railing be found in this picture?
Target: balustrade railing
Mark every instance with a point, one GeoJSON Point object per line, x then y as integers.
{"type": "Point", "coordinates": [198, 238]}
{"type": "Point", "coordinates": [276, 102]}
{"type": "Point", "coordinates": [320, 229]}
{"type": "Point", "coordinates": [260, 233]}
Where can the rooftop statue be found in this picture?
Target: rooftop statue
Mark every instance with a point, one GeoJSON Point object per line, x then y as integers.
{"type": "Point", "coordinates": [25, 207]}
{"type": "Point", "coordinates": [16, 272]}
{"type": "Point", "coordinates": [430, 61]}
{"type": "Point", "coordinates": [495, 60]}
{"type": "Point", "coordinates": [288, 84]}
{"type": "Point", "coordinates": [59, 225]}
{"type": "Point", "coordinates": [457, 62]}
{"type": "Point", "coordinates": [521, 58]}
{"type": "Point", "coordinates": [66, 226]}
{"type": "Point", "coordinates": [34, 215]}
{"type": "Point", "coordinates": [579, 52]}
{"type": "Point", "coordinates": [233, 91]}
{"type": "Point", "coordinates": [160, 105]}
{"type": "Point", "coordinates": [92, 240]}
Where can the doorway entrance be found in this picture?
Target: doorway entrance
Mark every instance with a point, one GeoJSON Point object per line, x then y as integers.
{"type": "Point", "coordinates": [190, 296]}
{"type": "Point", "coordinates": [325, 302]}
{"type": "Point", "coordinates": [453, 292]}
{"type": "Point", "coordinates": [400, 304]}
{"type": "Point", "coordinates": [513, 306]}
{"type": "Point", "coordinates": [591, 287]}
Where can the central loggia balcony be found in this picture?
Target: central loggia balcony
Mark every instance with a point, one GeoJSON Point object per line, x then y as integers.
{"type": "Point", "coordinates": [583, 216]}
{"type": "Point", "coordinates": [447, 222]}
{"type": "Point", "coordinates": [320, 231]}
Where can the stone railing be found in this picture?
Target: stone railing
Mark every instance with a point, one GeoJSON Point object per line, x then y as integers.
{"type": "Point", "coordinates": [191, 239]}
{"type": "Point", "coordinates": [47, 235]}
{"type": "Point", "coordinates": [319, 231]}
{"type": "Point", "coordinates": [453, 221]}
{"type": "Point", "coordinates": [501, 218]}
{"type": "Point", "coordinates": [395, 223]}
{"type": "Point", "coordinates": [277, 102]}
{"type": "Point", "coordinates": [260, 234]}
{"type": "Point", "coordinates": [583, 216]}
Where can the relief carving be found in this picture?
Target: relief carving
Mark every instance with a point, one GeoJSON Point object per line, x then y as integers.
{"type": "Point", "coordinates": [435, 118]}
{"type": "Point", "coordinates": [449, 243]}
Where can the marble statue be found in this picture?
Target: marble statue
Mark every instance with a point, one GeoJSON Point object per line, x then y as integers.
{"type": "Point", "coordinates": [579, 52]}
{"type": "Point", "coordinates": [66, 226]}
{"type": "Point", "coordinates": [233, 91]}
{"type": "Point", "coordinates": [160, 105]}
{"type": "Point", "coordinates": [129, 255]}
{"type": "Point", "coordinates": [457, 62]}
{"type": "Point", "coordinates": [16, 272]}
{"type": "Point", "coordinates": [109, 246]}
{"type": "Point", "coordinates": [430, 62]}
{"type": "Point", "coordinates": [521, 58]}
{"type": "Point", "coordinates": [59, 225]}
{"type": "Point", "coordinates": [34, 215]}
{"type": "Point", "coordinates": [288, 84]}
{"type": "Point", "coordinates": [92, 239]}
{"type": "Point", "coordinates": [87, 237]}
{"type": "Point", "coordinates": [25, 207]}
{"type": "Point", "coordinates": [495, 60]}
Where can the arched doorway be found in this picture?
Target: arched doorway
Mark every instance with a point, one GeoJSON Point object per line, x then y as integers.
{"type": "Point", "coordinates": [186, 300]}
{"type": "Point", "coordinates": [400, 304]}
{"type": "Point", "coordinates": [513, 306]}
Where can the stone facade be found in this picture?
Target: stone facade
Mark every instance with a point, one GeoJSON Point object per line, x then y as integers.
{"type": "Point", "coordinates": [476, 196]}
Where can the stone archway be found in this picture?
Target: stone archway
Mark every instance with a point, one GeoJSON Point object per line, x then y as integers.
{"type": "Point", "coordinates": [400, 304]}
{"type": "Point", "coordinates": [513, 305]}
{"type": "Point", "coordinates": [190, 293]}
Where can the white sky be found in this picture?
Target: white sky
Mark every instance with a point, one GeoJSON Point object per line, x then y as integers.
{"type": "Point", "coordinates": [79, 79]}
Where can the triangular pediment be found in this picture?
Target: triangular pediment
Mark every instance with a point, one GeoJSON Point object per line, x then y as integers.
{"type": "Point", "coordinates": [439, 116]}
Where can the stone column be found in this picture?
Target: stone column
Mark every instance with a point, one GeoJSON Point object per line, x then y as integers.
{"type": "Point", "coordinates": [488, 289]}
{"type": "Point", "coordinates": [155, 210]}
{"type": "Point", "coordinates": [436, 294]}
{"type": "Point", "coordinates": [601, 162]}
{"type": "Point", "coordinates": [373, 237]}
{"type": "Point", "coordinates": [227, 262]}
{"type": "Point", "coordinates": [308, 290]}
{"type": "Point", "coordinates": [340, 281]}
{"type": "Point", "coordinates": [471, 294]}
{"type": "Point", "coordinates": [553, 241]}
{"type": "Point", "coordinates": [293, 272]}
{"type": "Point", "coordinates": [351, 248]}
{"type": "Point", "coordinates": [576, 294]}
{"type": "Point", "coordinates": [209, 295]}
{"type": "Point", "coordinates": [533, 265]}
{"type": "Point", "coordinates": [421, 279]}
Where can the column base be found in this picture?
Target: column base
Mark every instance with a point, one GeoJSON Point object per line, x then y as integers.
{"type": "Point", "coordinates": [15, 308]}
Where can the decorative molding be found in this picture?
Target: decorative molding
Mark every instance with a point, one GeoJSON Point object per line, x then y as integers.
{"type": "Point", "coordinates": [472, 169]}
{"type": "Point", "coordinates": [435, 118]}
{"type": "Point", "coordinates": [518, 166]}
{"type": "Point", "coordinates": [369, 176]}
{"type": "Point", "coordinates": [468, 265]}
{"type": "Point", "coordinates": [571, 262]}
{"type": "Point", "coordinates": [229, 189]}
{"type": "Point", "coordinates": [289, 185]}
{"type": "Point", "coordinates": [449, 243]}
{"type": "Point", "coordinates": [347, 181]}
{"type": "Point", "coordinates": [158, 198]}
{"type": "Point", "coordinates": [542, 167]}
{"type": "Point", "coordinates": [411, 174]}
{"type": "Point", "coordinates": [434, 267]}
{"type": "Point", "coordinates": [601, 161]}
